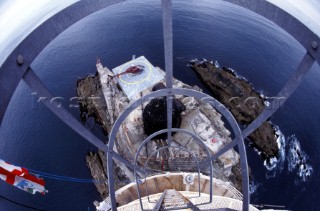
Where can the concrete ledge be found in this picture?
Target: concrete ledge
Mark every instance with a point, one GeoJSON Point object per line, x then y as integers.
{"type": "Point", "coordinates": [217, 202]}
{"type": "Point", "coordinates": [158, 183]}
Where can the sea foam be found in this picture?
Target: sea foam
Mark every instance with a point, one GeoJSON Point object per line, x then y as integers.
{"type": "Point", "coordinates": [298, 159]}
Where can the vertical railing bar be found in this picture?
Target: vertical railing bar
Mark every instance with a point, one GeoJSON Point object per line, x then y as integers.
{"type": "Point", "coordinates": [167, 36]}
{"type": "Point", "coordinates": [112, 194]}
{"type": "Point", "coordinates": [168, 54]}
{"type": "Point", "coordinates": [244, 174]}
{"type": "Point", "coordinates": [169, 118]}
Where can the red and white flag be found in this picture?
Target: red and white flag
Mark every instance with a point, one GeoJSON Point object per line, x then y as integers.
{"type": "Point", "coordinates": [21, 178]}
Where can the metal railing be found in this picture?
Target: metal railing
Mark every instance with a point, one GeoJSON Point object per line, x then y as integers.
{"type": "Point", "coordinates": [17, 68]}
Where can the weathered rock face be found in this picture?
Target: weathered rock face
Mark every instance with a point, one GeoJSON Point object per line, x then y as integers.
{"type": "Point", "coordinates": [95, 165]}
{"type": "Point", "coordinates": [242, 100]}
{"type": "Point", "coordinates": [92, 102]}
{"type": "Point", "coordinates": [265, 140]}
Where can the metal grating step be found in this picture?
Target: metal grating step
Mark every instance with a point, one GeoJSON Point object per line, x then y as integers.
{"type": "Point", "coordinates": [171, 198]}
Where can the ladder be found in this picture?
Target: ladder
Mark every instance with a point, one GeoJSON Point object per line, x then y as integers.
{"type": "Point", "coordinates": [171, 198]}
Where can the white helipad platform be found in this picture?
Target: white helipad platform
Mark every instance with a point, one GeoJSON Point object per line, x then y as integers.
{"type": "Point", "coordinates": [133, 84]}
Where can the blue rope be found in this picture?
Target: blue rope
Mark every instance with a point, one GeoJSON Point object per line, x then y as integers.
{"type": "Point", "coordinates": [54, 175]}
{"type": "Point", "coordinates": [69, 179]}
{"type": "Point", "coordinates": [64, 178]}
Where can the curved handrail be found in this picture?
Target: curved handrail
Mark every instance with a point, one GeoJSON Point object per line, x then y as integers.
{"type": "Point", "coordinates": [199, 96]}
{"type": "Point", "coordinates": [195, 137]}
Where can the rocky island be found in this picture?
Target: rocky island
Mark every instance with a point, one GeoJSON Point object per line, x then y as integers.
{"type": "Point", "coordinates": [245, 104]}
{"type": "Point", "coordinates": [104, 100]}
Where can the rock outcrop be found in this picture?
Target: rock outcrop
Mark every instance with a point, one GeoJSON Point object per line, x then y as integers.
{"type": "Point", "coordinates": [92, 102]}
{"type": "Point", "coordinates": [242, 100]}
{"type": "Point", "coordinates": [95, 165]}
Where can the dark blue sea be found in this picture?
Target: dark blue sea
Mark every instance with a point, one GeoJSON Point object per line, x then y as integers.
{"type": "Point", "coordinates": [257, 49]}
